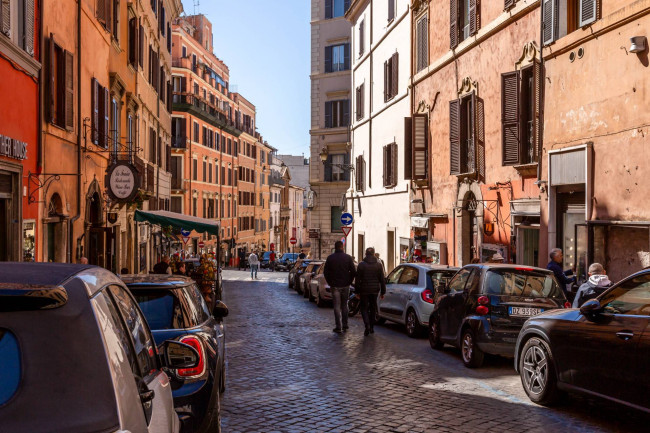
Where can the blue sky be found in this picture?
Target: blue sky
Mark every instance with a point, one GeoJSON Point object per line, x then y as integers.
{"type": "Point", "coordinates": [266, 45]}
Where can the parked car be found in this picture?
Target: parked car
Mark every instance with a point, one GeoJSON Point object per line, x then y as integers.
{"type": "Point", "coordinates": [287, 261]}
{"type": "Point", "coordinates": [410, 292]}
{"type": "Point", "coordinates": [602, 349]}
{"type": "Point", "coordinates": [175, 309]}
{"type": "Point", "coordinates": [306, 276]}
{"type": "Point", "coordinates": [295, 273]}
{"type": "Point", "coordinates": [319, 290]}
{"type": "Point", "coordinates": [484, 307]}
{"type": "Point", "coordinates": [265, 259]}
{"type": "Point", "coordinates": [77, 354]}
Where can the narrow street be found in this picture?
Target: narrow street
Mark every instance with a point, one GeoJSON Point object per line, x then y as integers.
{"type": "Point", "coordinates": [287, 372]}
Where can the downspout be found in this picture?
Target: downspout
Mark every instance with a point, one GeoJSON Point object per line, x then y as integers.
{"type": "Point", "coordinates": [41, 93]}
{"type": "Point", "coordinates": [72, 220]}
{"type": "Point", "coordinates": [541, 90]}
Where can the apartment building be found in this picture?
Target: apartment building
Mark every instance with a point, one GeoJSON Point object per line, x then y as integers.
{"type": "Point", "coordinates": [381, 47]}
{"type": "Point", "coordinates": [263, 224]}
{"type": "Point", "coordinates": [330, 119]}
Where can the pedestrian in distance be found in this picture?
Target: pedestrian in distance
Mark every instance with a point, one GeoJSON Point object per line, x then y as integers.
{"type": "Point", "coordinates": [83, 261]}
{"type": "Point", "coordinates": [162, 267]}
{"type": "Point", "coordinates": [597, 283]}
{"type": "Point", "coordinates": [339, 273]}
{"type": "Point", "coordinates": [497, 258]}
{"type": "Point", "coordinates": [254, 263]}
{"type": "Point", "coordinates": [381, 262]}
{"type": "Point", "coordinates": [555, 265]}
{"type": "Point", "coordinates": [242, 259]}
{"type": "Point", "coordinates": [272, 261]}
{"type": "Point", "coordinates": [302, 255]}
{"type": "Point", "coordinates": [180, 269]}
{"type": "Point", "coordinates": [369, 283]}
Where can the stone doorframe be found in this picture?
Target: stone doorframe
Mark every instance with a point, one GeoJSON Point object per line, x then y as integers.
{"type": "Point", "coordinates": [465, 189]}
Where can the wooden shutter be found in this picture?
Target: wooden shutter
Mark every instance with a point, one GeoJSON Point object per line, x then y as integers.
{"type": "Point", "coordinates": [420, 146]}
{"type": "Point", "coordinates": [328, 59]}
{"type": "Point", "coordinates": [454, 136]}
{"type": "Point", "coordinates": [169, 38]}
{"type": "Point", "coordinates": [391, 10]}
{"type": "Point", "coordinates": [51, 83]}
{"type": "Point", "coordinates": [5, 13]}
{"type": "Point", "coordinates": [133, 46]}
{"type": "Point", "coordinates": [109, 15]}
{"type": "Point", "coordinates": [549, 20]}
{"type": "Point", "coordinates": [141, 46]}
{"type": "Point", "coordinates": [101, 11]}
{"type": "Point", "coordinates": [422, 36]}
{"type": "Point", "coordinates": [328, 169]}
{"type": "Point", "coordinates": [538, 97]}
{"type": "Point", "coordinates": [473, 19]}
{"type": "Point", "coordinates": [386, 159]}
{"type": "Point", "coordinates": [588, 12]}
{"type": "Point", "coordinates": [408, 148]}
{"type": "Point", "coordinates": [328, 9]}
{"type": "Point", "coordinates": [393, 164]}
{"type": "Point", "coordinates": [346, 56]}
{"type": "Point", "coordinates": [508, 4]}
{"type": "Point", "coordinates": [94, 89]}
{"type": "Point", "coordinates": [357, 174]}
{"type": "Point", "coordinates": [453, 24]}
{"type": "Point", "coordinates": [386, 79]}
{"type": "Point", "coordinates": [29, 27]}
{"type": "Point", "coordinates": [345, 110]}
{"type": "Point", "coordinates": [69, 90]}
{"type": "Point", "coordinates": [394, 74]}
{"type": "Point", "coordinates": [362, 38]}
{"type": "Point", "coordinates": [479, 138]}
{"type": "Point", "coordinates": [510, 95]}
{"type": "Point", "coordinates": [106, 105]}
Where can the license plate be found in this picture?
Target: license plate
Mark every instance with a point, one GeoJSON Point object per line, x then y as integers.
{"type": "Point", "coordinates": [524, 311]}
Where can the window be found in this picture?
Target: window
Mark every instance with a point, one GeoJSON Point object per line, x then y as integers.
{"type": "Point", "coordinates": [130, 129]}
{"type": "Point", "coordinates": [337, 113]}
{"type": "Point", "coordinates": [561, 17]}
{"type": "Point", "coordinates": [409, 276]}
{"type": "Point", "coordinates": [19, 29]}
{"type": "Point", "coordinates": [631, 298]}
{"type": "Point", "coordinates": [10, 373]}
{"type": "Point", "coordinates": [161, 308]}
{"type": "Point", "coordinates": [520, 110]}
{"type": "Point", "coordinates": [178, 132]}
{"type": "Point", "coordinates": [422, 43]}
{"type": "Point", "coordinates": [195, 169]}
{"type": "Point", "coordinates": [337, 58]}
{"type": "Point", "coordinates": [391, 68]}
{"type": "Point", "coordinates": [104, 11]}
{"type": "Point", "coordinates": [362, 37]}
{"type": "Point", "coordinates": [194, 206]}
{"type": "Point", "coordinates": [133, 42]}
{"type": "Point", "coordinates": [205, 171]}
{"type": "Point", "coordinates": [334, 173]}
{"type": "Point", "coordinates": [457, 284]}
{"type": "Point", "coordinates": [335, 217]}
{"type": "Point", "coordinates": [100, 113]}
{"type": "Point", "coordinates": [60, 86]}
{"type": "Point", "coordinates": [210, 173]}
{"type": "Point", "coordinates": [336, 8]}
{"type": "Point", "coordinates": [360, 174]}
{"type": "Point", "coordinates": [359, 99]}
{"type": "Point", "coordinates": [466, 136]}
{"type": "Point", "coordinates": [196, 132]}
{"type": "Point", "coordinates": [391, 10]}
{"type": "Point", "coordinates": [464, 20]}
{"type": "Point", "coordinates": [390, 165]}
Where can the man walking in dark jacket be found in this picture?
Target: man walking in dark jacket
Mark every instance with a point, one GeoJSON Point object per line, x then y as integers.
{"type": "Point", "coordinates": [594, 287]}
{"type": "Point", "coordinates": [370, 282]}
{"type": "Point", "coordinates": [555, 265]}
{"type": "Point", "coordinates": [339, 273]}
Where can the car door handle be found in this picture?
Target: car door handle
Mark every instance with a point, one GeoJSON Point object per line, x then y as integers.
{"type": "Point", "coordinates": [625, 335]}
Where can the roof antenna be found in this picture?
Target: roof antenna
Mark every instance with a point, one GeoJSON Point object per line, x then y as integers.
{"type": "Point", "coordinates": [196, 7]}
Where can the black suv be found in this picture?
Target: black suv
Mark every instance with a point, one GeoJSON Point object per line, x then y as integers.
{"type": "Point", "coordinates": [483, 308]}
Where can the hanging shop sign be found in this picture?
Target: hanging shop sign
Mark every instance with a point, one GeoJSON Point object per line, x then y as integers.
{"type": "Point", "coordinates": [12, 148]}
{"type": "Point", "coordinates": [122, 181]}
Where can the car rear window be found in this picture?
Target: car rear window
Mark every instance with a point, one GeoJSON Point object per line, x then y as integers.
{"type": "Point", "coordinates": [522, 283]}
{"type": "Point", "coordinates": [434, 278]}
{"type": "Point", "coordinates": [10, 372]}
{"type": "Point", "coordinates": [198, 311]}
{"type": "Point", "coordinates": [160, 307]}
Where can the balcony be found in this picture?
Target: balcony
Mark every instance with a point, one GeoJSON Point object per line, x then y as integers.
{"type": "Point", "coordinates": [203, 109]}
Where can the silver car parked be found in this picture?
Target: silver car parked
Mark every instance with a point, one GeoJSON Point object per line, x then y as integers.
{"type": "Point", "coordinates": [410, 292]}
{"type": "Point", "coordinates": [77, 354]}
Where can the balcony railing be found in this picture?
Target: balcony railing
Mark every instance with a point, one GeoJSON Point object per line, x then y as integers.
{"type": "Point", "coordinates": [202, 108]}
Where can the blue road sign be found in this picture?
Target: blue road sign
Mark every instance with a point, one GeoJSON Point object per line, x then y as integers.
{"type": "Point", "coordinates": [185, 233]}
{"type": "Point", "coordinates": [346, 219]}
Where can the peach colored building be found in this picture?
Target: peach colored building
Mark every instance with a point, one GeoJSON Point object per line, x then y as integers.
{"type": "Point", "coordinates": [474, 132]}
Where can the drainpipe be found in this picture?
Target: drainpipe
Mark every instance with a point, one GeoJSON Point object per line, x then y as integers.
{"type": "Point", "coordinates": [72, 220]}
{"type": "Point", "coordinates": [41, 94]}
{"type": "Point", "coordinates": [541, 90]}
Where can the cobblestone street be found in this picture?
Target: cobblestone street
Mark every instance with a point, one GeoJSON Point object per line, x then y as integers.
{"type": "Point", "coordinates": [287, 372]}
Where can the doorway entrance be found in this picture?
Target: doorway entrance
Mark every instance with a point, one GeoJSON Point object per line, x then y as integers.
{"type": "Point", "coordinates": [390, 250]}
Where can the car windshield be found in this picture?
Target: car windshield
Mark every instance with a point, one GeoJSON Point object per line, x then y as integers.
{"type": "Point", "coordinates": [435, 278]}
{"type": "Point", "coordinates": [160, 307]}
{"type": "Point", "coordinates": [10, 362]}
{"type": "Point", "coordinates": [266, 255]}
{"type": "Point", "coordinates": [522, 283]}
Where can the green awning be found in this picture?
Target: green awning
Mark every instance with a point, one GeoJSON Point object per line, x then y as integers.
{"type": "Point", "coordinates": [165, 218]}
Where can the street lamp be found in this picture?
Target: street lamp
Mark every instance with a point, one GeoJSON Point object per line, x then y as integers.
{"type": "Point", "coordinates": [323, 157]}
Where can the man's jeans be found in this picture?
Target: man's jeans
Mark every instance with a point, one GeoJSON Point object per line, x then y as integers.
{"type": "Point", "coordinates": [254, 270]}
{"type": "Point", "coordinates": [340, 297]}
{"type": "Point", "coordinates": [369, 309]}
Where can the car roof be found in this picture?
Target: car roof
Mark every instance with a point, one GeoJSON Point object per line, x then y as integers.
{"type": "Point", "coordinates": [508, 266]}
{"type": "Point", "coordinates": [39, 274]}
{"type": "Point", "coordinates": [156, 281]}
{"type": "Point", "coordinates": [431, 267]}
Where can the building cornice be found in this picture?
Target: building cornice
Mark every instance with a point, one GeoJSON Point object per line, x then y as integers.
{"type": "Point", "coordinates": [355, 9]}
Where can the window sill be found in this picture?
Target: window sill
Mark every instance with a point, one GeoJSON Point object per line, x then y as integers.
{"type": "Point", "coordinates": [20, 56]}
{"type": "Point", "coordinates": [526, 169]}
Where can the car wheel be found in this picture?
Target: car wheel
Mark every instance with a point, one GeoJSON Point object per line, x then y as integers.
{"type": "Point", "coordinates": [472, 355]}
{"type": "Point", "coordinates": [305, 291]}
{"type": "Point", "coordinates": [290, 282]}
{"type": "Point", "coordinates": [413, 327]}
{"type": "Point", "coordinates": [434, 335]}
{"type": "Point", "coordinates": [537, 372]}
{"type": "Point", "coordinates": [319, 301]}
{"type": "Point", "coordinates": [311, 297]}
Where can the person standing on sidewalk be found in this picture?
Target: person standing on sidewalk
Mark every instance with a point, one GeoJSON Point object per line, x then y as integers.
{"type": "Point", "coordinates": [339, 273]}
{"type": "Point", "coordinates": [369, 283]}
{"type": "Point", "coordinates": [254, 263]}
{"type": "Point", "coordinates": [272, 261]}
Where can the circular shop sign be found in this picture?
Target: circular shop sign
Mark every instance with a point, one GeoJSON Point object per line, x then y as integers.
{"type": "Point", "coordinates": [122, 181]}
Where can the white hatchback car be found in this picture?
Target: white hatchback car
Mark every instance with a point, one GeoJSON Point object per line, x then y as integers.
{"type": "Point", "coordinates": [77, 354]}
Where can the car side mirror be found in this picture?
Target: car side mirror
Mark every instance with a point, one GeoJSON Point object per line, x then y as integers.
{"type": "Point", "coordinates": [220, 310]}
{"type": "Point", "coordinates": [590, 308]}
{"type": "Point", "coordinates": [177, 355]}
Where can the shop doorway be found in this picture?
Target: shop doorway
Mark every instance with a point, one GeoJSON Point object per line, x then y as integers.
{"type": "Point", "coordinates": [570, 214]}
{"type": "Point", "coordinates": [390, 250]}
{"type": "Point", "coordinates": [527, 246]}
{"type": "Point", "coordinates": [96, 234]}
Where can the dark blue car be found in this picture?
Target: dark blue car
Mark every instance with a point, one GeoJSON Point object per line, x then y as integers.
{"type": "Point", "coordinates": [175, 309]}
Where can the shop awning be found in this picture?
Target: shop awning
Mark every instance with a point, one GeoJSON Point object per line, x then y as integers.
{"type": "Point", "coordinates": [420, 222]}
{"type": "Point", "coordinates": [165, 218]}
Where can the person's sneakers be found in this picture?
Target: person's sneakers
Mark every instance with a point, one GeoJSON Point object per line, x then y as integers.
{"type": "Point", "coordinates": [366, 332]}
{"type": "Point", "coordinates": [345, 328]}
{"type": "Point", "coordinates": [337, 330]}
{"type": "Point", "coordinates": [372, 329]}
